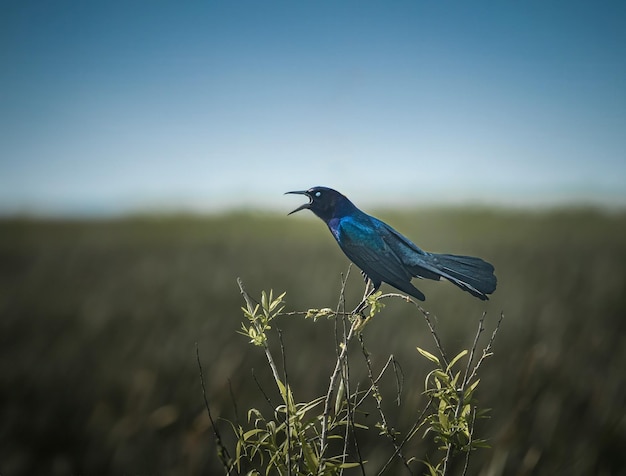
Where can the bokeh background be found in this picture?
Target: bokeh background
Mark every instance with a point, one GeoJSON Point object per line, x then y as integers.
{"type": "Point", "coordinates": [144, 151]}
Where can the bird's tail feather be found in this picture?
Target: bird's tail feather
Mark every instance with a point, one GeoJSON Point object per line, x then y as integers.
{"type": "Point", "coordinates": [469, 273]}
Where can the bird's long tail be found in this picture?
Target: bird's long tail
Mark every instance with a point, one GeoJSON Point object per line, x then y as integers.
{"type": "Point", "coordinates": [469, 273]}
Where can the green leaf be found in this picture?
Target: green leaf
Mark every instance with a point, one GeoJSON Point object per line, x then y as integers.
{"type": "Point", "coordinates": [470, 390]}
{"type": "Point", "coordinates": [305, 407]}
{"type": "Point", "coordinates": [253, 412]}
{"type": "Point", "coordinates": [455, 380]}
{"type": "Point", "coordinates": [428, 355]}
{"type": "Point", "coordinates": [250, 433]}
{"type": "Point", "coordinates": [458, 357]}
{"type": "Point", "coordinates": [441, 376]}
{"type": "Point", "coordinates": [311, 458]}
{"type": "Point", "coordinates": [287, 395]}
{"type": "Point", "coordinates": [341, 391]}
{"type": "Point", "coordinates": [432, 470]}
{"type": "Point", "coordinates": [238, 454]}
{"type": "Point", "coordinates": [291, 404]}
{"type": "Point", "coordinates": [480, 444]}
{"type": "Point", "coordinates": [350, 465]}
{"type": "Point", "coordinates": [276, 302]}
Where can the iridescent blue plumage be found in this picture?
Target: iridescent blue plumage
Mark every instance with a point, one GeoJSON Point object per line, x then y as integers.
{"type": "Point", "coordinates": [384, 255]}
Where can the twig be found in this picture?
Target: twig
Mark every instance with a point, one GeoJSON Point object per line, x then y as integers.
{"type": "Point", "coordinates": [306, 313]}
{"type": "Point", "coordinates": [265, 395]}
{"type": "Point", "coordinates": [287, 406]}
{"type": "Point", "coordinates": [222, 451]}
{"type": "Point", "coordinates": [390, 360]}
{"type": "Point", "coordinates": [335, 374]}
{"type": "Point", "coordinates": [345, 380]}
{"type": "Point", "coordinates": [419, 422]}
{"type": "Point", "coordinates": [426, 315]}
{"type": "Point", "coordinates": [481, 328]}
{"type": "Point", "coordinates": [266, 348]}
{"type": "Point", "coordinates": [399, 374]}
{"type": "Point", "coordinates": [487, 350]}
{"type": "Point", "coordinates": [344, 383]}
{"type": "Point", "coordinates": [363, 304]}
{"type": "Point", "coordinates": [341, 351]}
{"type": "Point", "coordinates": [234, 400]}
{"type": "Point", "coordinates": [389, 432]}
{"type": "Point", "coordinates": [351, 426]}
{"type": "Point", "coordinates": [339, 311]}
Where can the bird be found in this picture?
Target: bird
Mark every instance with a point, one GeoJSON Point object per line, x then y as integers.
{"type": "Point", "coordinates": [384, 255]}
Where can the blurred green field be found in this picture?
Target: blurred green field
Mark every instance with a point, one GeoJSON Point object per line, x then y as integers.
{"type": "Point", "coordinates": [99, 320]}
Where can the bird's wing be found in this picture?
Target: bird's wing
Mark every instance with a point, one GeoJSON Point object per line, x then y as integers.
{"type": "Point", "coordinates": [397, 241]}
{"type": "Point", "coordinates": [362, 243]}
{"type": "Point", "coordinates": [471, 274]}
{"type": "Point", "coordinates": [409, 254]}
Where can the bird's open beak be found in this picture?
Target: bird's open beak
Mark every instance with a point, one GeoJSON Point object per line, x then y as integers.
{"type": "Point", "coordinates": [301, 207]}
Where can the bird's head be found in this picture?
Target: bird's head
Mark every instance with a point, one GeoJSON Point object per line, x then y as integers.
{"type": "Point", "coordinates": [325, 202]}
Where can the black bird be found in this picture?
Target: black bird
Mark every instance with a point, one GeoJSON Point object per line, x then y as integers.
{"type": "Point", "coordinates": [384, 255]}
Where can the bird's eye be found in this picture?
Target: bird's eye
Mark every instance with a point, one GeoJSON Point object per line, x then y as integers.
{"type": "Point", "coordinates": [318, 194]}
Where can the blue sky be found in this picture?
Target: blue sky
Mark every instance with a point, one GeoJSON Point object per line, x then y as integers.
{"type": "Point", "coordinates": [110, 107]}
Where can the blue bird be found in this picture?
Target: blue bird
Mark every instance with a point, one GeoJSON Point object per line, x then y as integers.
{"type": "Point", "coordinates": [384, 255]}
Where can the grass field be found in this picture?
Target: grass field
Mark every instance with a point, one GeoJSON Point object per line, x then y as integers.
{"type": "Point", "coordinates": [99, 320]}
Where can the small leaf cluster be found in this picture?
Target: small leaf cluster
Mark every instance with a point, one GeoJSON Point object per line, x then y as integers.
{"type": "Point", "coordinates": [288, 442]}
{"type": "Point", "coordinates": [260, 316]}
{"type": "Point", "coordinates": [285, 443]}
{"type": "Point", "coordinates": [453, 398]}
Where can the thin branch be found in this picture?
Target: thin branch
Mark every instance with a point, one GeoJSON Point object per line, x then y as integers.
{"type": "Point", "coordinates": [390, 360]}
{"type": "Point", "coordinates": [306, 313]}
{"type": "Point", "coordinates": [345, 375]}
{"type": "Point", "coordinates": [222, 451]}
{"type": "Point", "coordinates": [419, 422]}
{"type": "Point", "coordinates": [287, 406]}
{"type": "Point", "coordinates": [266, 348]}
{"type": "Point", "coordinates": [363, 304]}
{"type": "Point", "coordinates": [341, 351]}
{"type": "Point", "coordinates": [389, 432]}
{"type": "Point", "coordinates": [340, 311]}
{"type": "Point", "coordinates": [399, 374]}
{"type": "Point", "coordinates": [345, 383]}
{"type": "Point", "coordinates": [265, 395]}
{"type": "Point", "coordinates": [470, 360]}
{"type": "Point", "coordinates": [426, 315]}
{"type": "Point", "coordinates": [331, 388]}
{"type": "Point", "coordinates": [234, 400]}
{"type": "Point", "coordinates": [351, 426]}
{"type": "Point", "coordinates": [487, 350]}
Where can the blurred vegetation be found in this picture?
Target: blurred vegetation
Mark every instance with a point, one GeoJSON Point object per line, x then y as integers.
{"type": "Point", "coordinates": [99, 320]}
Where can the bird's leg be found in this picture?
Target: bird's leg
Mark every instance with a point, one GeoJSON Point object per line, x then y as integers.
{"type": "Point", "coordinates": [366, 294]}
